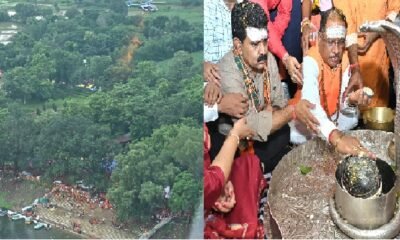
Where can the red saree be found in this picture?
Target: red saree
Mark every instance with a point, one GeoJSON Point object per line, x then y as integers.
{"type": "Point", "coordinates": [249, 183]}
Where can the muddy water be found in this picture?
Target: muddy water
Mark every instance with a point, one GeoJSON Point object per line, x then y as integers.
{"type": "Point", "coordinates": [18, 229]}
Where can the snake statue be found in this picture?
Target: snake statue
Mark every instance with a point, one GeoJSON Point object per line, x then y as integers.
{"type": "Point", "coordinates": [390, 33]}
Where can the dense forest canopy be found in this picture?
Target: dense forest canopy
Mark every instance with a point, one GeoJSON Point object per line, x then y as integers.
{"type": "Point", "coordinates": [80, 74]}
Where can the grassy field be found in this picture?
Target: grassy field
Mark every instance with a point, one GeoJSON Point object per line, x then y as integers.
{"type": "Point", "coordinates": [3, 202]}
{"type": "Point", "coordinates": [18, 193]}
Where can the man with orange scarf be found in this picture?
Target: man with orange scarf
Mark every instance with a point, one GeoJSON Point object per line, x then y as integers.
{"type": "Point", "coordinates": [324, 83]}
{"type": "Point", "coordinates": [373, 58]}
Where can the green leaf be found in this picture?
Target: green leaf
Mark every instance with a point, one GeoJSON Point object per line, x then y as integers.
{"type": "Point", "coordinates": [305, 169]}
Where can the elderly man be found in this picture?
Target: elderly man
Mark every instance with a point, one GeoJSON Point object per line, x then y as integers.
{"type": "Point", "coordinates": [325, 81]}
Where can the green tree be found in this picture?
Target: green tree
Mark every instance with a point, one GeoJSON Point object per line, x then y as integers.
{"type": "Point", "coordinates": [184, 193]}
{"type": "Point", "coordinates": [66, 64]}
{"type": "Point", "coordinates": [4, 16]}
{"type": "Point", "coordinates": [36, 28]}
{"type": "Point", "coordinates": [41, 70]}
{"type": "Point", "coordinates": [119, 7]}
{"type": "Point", "coordinates": [17, 84]}
{"type": "Point", "coordinates": [180, 66]}
{"type": "Point", "coordinates": [17, 138]}
{"type": "Point", "coordinates": [72, 13]}
{"type": "Point", "coordinates": [97, 66]}
{"type": "Point", "coordinates": [25, 10]}
{"type": "Point", "coordinates": [150, 165]}
{"type": "Point", "coordinates": [151, 196]}
{"type": "Point", "coordinates": [146, 70]}
{"type": "Point", "coordinates": [117, 73]}
{"type": "Point", "coordinates": [73, 148]}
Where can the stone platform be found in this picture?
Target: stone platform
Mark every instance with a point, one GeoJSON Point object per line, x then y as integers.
{"type": "Point", "coordinates": [299, 204]}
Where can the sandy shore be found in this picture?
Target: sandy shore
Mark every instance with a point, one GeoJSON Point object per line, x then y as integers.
{"type": "Point", "coordinates": [63, 217]}
{"type": "Point", "coordinates": [21, 193]}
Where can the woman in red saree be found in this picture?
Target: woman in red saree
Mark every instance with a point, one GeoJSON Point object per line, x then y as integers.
{"type": "Point", "coordinates": [232, 189]}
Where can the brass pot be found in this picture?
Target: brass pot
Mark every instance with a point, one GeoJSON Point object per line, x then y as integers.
{"type": "Point", "coordinates": [379, 118]}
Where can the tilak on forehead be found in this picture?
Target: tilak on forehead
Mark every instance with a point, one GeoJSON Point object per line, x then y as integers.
{"type": "Point", "coordinates": [336, 31]}
{"type": "Point", "coordinates": [256, 34]}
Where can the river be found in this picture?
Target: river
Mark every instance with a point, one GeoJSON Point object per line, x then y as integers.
{"type": "Point", "coordinates": [18, 229]}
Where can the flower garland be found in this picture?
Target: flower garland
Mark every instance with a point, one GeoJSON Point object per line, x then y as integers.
{"type": "Point", "coordinates": [251, 89]}
{"type": "Point", "coordinates": [324, 96]}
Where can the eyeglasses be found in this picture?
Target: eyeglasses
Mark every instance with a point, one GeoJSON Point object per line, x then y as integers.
{"type": "Point", "coordinates": [331, 42]}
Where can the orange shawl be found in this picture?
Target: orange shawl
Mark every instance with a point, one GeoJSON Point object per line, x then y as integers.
{"type": "Point", "coordinates": [329, 80]}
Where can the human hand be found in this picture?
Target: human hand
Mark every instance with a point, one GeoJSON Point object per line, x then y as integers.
{"type": "Point", "coordinates": [294, 69]}
{"type": "Point", "coordinates": [369, 39]}
{"type": "Point", "coordinates": [234, 104]}
{"type": "Point", "coordinates": [212, 94]}
{"type": "Point", "coordinates": [355, 83]}
{"type": "Point", "coordinates": [227, 200]}
{"type": "Point", "coordinates": [211, 73]}
{"type": "Point", "coordinates": [241, 129]}
{"type": "Point", "coordinates": [305, 37]}
{"type": "Point", "coordinates": [304, 115]}
{"type": "Point", "coordinates": [359, 98]}
{"type": "Point", "coordinates": [347, 144]}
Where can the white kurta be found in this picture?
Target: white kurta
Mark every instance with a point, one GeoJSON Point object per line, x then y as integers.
{"type": "Point", "coordinates": [348, 116]}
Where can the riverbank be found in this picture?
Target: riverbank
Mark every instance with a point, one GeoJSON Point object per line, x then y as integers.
{"type": "Point", "coordinates": [17, 193]}
{"type": "Point", "coordinates": [64, 216]}
{"type": "Point", "coordinates": [10, 229]}
{"type": "Point", "coordinates": [94, 221]}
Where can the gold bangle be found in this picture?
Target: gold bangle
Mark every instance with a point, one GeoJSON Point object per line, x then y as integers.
{"type": "Point", "coordinates": [236, 136]}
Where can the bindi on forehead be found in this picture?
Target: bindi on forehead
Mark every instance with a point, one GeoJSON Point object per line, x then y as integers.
{"type": "Point", "coordinates": [256, 34]}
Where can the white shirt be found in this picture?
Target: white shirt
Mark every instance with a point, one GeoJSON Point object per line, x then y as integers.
{"type": "Point", "coordinates": [324, 5]}
{"type": "Point", "coordinates": [348, 116]}
{"type": "Point", "coordinates": [217, 30]}
{"type": "Point", "coordinates": [210, 113]}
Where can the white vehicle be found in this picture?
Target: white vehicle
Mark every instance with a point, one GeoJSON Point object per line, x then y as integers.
{"type": "Point", "coordinates": [146, 6]}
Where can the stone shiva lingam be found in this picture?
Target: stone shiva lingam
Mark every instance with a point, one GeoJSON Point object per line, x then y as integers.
{"type": "Point", "coordinates": [360, 177]}
{"type": "Point", "coordinates": [364, 203]}
{"type": "Point", "coordinates": [307, 205]}
{"type": "Point", "coordinates": [365, 198]}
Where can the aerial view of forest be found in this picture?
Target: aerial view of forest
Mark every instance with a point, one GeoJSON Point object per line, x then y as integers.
{"type": "Point", "coordinates": [101, 114]}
